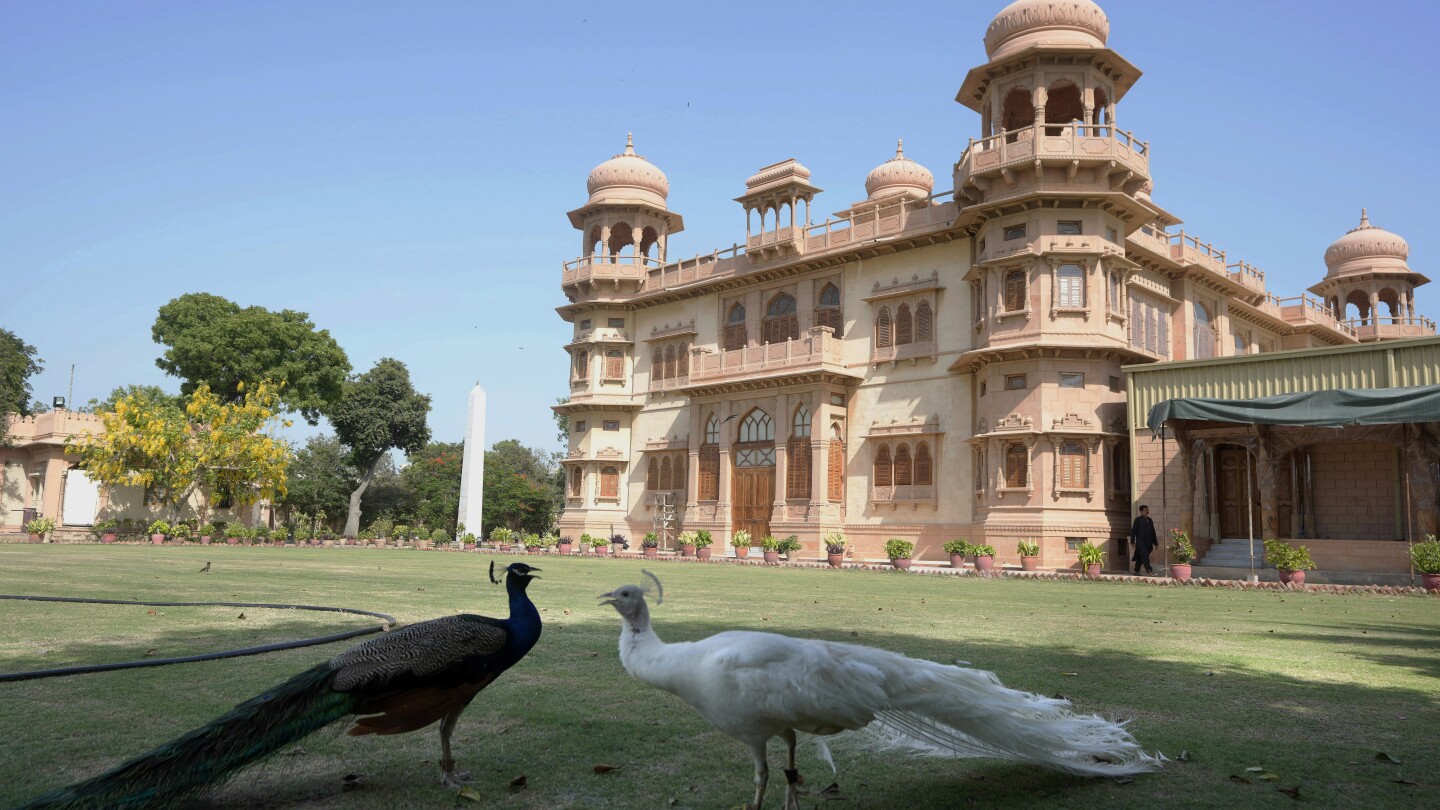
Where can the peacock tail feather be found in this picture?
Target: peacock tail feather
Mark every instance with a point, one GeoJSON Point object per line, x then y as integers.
{"type": "Point", "coordinates": [205, 757]}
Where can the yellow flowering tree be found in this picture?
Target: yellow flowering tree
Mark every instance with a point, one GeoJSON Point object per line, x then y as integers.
{"type": "Point", "coordinates": [226, 449]}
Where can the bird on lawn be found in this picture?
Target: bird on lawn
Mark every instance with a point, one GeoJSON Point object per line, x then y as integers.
{"type": "Point", "coordinates": [402, 681]}
{"type": "Point", "coordinates": [206, 569]}
{"type": "Point", "coordinates": [754, 686]}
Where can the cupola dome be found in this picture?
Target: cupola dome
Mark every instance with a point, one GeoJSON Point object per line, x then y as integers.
{"type": "Point", "coordinates": [1061, 23]}
{"type": "Point", "coordinates": [899, 175]}
{"type": "Point", "coordinates": [628, 177]}
{"type": "Point", "coordinates": [1366, 247]}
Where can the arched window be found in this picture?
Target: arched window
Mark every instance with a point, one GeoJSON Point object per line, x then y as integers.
{"type": "Point", "coordinates": [670, 368]}
{"type": "Point", "coordinates": [1074, 469]}
{"type": "Point", "coordinates": [621, 237]}
{"type": "Point", "coordinates": [682, 360]}
{"type": "Point", "coordinates": [735, 328]}
{"type": "Point", "coordinates": [781, 323]}
{"type": "Point", "coordinates": [757, 440]}
{"type": "Point", "coordinates": [904, 326]}
{"type": "Point", "coordinates": [709, 484]}
{"type": "Point", "coordinates": [678, 482]}
{"type": "Point", "coordinates": [800, 426]}
{"type": "Point", "coordinates": [828, 312]}
{"type": "Point", "coordinates": [652, 474]}
{"type": "Point", "coordinates": [835, 466]}
{"type": "Point", "coordinates": [1205, 337]}
{"type": "Point", "coordinates": [667, 473]}
{"type": "Point", "coordinates": [1120, 464]}
{"type": "Point", "coordinates": [582, 365]}
{"type": "Point", "coordinates": [610, 482]}
{"type": "Point", "coordinates": [884, 338]}
{"type": "Point", "coordinates": [1062, 106]}
{"type": "Point", "coordinates": [882, 467]}
{"type": "Point", "coordinates": [903, 471]}
{"type": "Point", "coordinates": [798, 483]}
{"type": "Point", "coordinates": [1070, 287]}
{"type": "Point", "coordinates": [1015, 294]}
{"type": "Point", "coordinates": [712, 431]}
{"type": "Point", "coordinates": [1017, 466]}
{"type": "Point", "coordinates": [924, 323]}
{"type": "Point", "coordinates": [924, 468]}
{"type": "Point", "coordinates": [1018, 111]}
{"type": "Point", "coordinates": [577, 480]}
{"type": "Point", "coordinates": [657, 364]}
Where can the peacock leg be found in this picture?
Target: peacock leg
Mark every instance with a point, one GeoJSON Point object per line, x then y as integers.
{"type": "Point", "coordinates": [448, 777]}
{"type": "Point", "coordinates": [762, 772]}
{"type": "Point", "coordinates": [792, 774]}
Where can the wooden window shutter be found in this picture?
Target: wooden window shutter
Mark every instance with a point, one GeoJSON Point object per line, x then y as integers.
{"type": "Point", "coordinates": [709, 489]}
{"type": "Point", "coordinates": [680, 472]}
{"type": "Point", "coordinates": [903, 326]}
{"type": "Point", "coordinates": [882, 467]}
{"type": "Point", "coordinates": [652, 475]}
{"type": "Point", "coordinates": [835, 471]}
{"type": "Point", "coordinates": [903, 477]}
{"type": "Point", "coordinates": [670, 368]}
{"type": "Point", "coordinates": [734, 336]}
{"type": "Point", "coordinates": [1072, 465]}
{"type": "Point", "coordinates": [609, 482]}
{"type": "Point", "coordinates": [924, 323]}
{"type": "Point", "coordinates": [1017, 466]}
{"type": "Point", "coordinates": [798, 483]}
{"type": "Point", "coordinates": [924, 470]}
{"type": "Point", "coordinates": [657, 364]}
{"type": "Point", "coordinates": [576, 477]}
{"type": "Point", "coordinates": [614, 365]}
{"type": "Point", "coordinates": [667, 473]}
{"type": "Point", "coordinates": [682, 359]}
{"type": "Point", "coordinates": [1015, 291]}
{"type": "Point", "coordinates": [883, 337]}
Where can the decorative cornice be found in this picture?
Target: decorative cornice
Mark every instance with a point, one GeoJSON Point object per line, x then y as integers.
{"type": "Point", "coordinates": [897, 288]}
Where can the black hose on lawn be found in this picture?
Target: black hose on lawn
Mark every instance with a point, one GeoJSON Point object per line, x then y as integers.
{"type": "Point", "coordinates": [388, 621]}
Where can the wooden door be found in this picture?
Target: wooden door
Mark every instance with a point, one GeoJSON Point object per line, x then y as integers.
{"type": "Point", "coordinates": [1233, 465]}
{"type": "Point", "coordinates": [752, 498]}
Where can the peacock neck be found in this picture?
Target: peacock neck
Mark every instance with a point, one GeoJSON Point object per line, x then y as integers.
{"type": "Point", "coordinates": [638, 641]}
{"type": "Point", "coordinates": [524, 618]}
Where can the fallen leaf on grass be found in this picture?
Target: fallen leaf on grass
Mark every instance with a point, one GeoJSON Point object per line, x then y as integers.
{"type": "Point", "coordinates": [1071, 674]}
{"type": "Point", "coordinates": [1384, 757]}
{"type": "Point", "coordinates": [1405, 782]}
{"type": "Point", "coordinates": [1241, 779]}
{"type": "Point", "coordinates": [1268, 777]}
{"type": "Point", "coordinates": [469, 793]}
{"type": "Point", "coordinates": [831, 792]}
{"type": "Point", "coordinates": [606, 768]}
{"type": "Point", "coordinates": [519, 782]}
{"type": "Point", "coordinates": [151, 651]}
{"type": "Point", "coordinates": [149, 613]}
{"type": "Point", "coordinates": [1293, 793]}
{"type": "Point", "coordinates": [351, 781]}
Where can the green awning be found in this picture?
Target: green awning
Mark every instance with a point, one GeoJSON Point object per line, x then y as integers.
{"type": "Point", "coordinates": [1335, 408]}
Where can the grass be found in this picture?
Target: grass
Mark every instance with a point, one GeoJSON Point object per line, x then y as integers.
{"type": "Point", "coordinates": [1310, 687]}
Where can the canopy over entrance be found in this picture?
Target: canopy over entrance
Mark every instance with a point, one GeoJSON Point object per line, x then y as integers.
{"type": "Point", "coordinates": [1335, 408]}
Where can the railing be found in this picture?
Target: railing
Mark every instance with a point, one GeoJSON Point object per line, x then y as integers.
{"type": "Point", "coordinates": [1394, 326]}
{"type": "Point", "coordinates": [669, 383]}
{"type": "Point", "coordinates": [1247, 275]}
{"type": "Point", "coordinates": [904, 351]}
{"type": "Point", "coordinates": [1099, 141]}
{"type": "Point", "coordinates": [902, 493]}
{"type": "Point", "coordinates": [606, 267]}
{"type": "Point", "coordinates": [816, 348]}
{"type": "Point", "coordinates": [1303, 309]}
{"type": "Point", "coordinates": [1188, 250]}
{"type": "Point", "coordinates": [787, 235]}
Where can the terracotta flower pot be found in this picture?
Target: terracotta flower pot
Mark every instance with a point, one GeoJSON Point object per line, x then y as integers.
{"type": "Point", "coordinates": [984, 562]}
{"type": "Point", "coordinates": [835, 560]}
{"type": "Point", "coordinates": [1029, 563]}
{"type": "Point", "coordinates": [702, 553]}
{"type": "Point", "coordinates": [232, 541]}
{"type": "Point", "coordinates": [1292, 577]}
{"type": "Point", "coordinates": [565, 548]}
{"type": "Point", "coordinates": [771, 556]}
{"type": "Point", "coordinates": [742, 551]}
{"type": "Point", "coordinates": [534, 549]}
{"type": "Point", "coordinates": [204, 539]}
{"type": "Point", "coordinates": [901, 562]}
{"type": "Point", "coordinates": [616, 548]}
{"type": "Point", "coordinates": [1430, 582]}
{"type": "Point", "coordinates": [1180, 572]}
{"type": "Point", "coordinates": [469, 546]}
{"type": "Point", "coordinates": [157, 539]}
{"type": "Point", "coordinates": [35, 538]}
{"type": "Point", "coordinates": [1093, 570]}
{"type": "Point", "coordinates": [651, 552]}
{"type": "Point", "coordinates": [687, 550]}
{"type": "Point", "coordinates": [108, 538]}
{"type": "Point", "coordinates": [247, 541]}
{"type": "Point", "coordinates": [957, 560]}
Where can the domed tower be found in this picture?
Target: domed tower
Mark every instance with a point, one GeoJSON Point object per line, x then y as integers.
{"type": "Point", "coordinates": [1367, 269]}
{"type": "Point", "coordinates": [899, 176]}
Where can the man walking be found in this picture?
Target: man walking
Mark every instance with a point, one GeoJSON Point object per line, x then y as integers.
{"type": "Point", "coordinates": [1142, 534]}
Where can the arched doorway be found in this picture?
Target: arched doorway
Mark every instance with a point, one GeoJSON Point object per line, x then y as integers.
{"type": "Point", "coordinates": [1234, 472]}
{"type": "Point", "coordinates": [753, 484]}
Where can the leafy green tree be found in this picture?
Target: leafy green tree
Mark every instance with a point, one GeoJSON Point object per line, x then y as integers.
{"type": "Point", "coordinates": [388, 496]}
{"type": "Point", "coordinates": [562, 423]}
{"type": "Point", "coordinates": [521, 488]}
{"type": "Point", "coordinates": [213, 341]}
{"type": "Point", "coordinates": [18, 364]}
{"type": "Point", "coordinates": [379, 411]}
{"type": "Point", "coordinates": [321, 478]}
{"type": "Point", "coordinates": [152, 393]}
{"type": "Point", "coordinates": [433, 476]}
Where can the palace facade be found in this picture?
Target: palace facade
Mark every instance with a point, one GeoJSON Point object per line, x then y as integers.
{"type": "Point", "coordinates": [925, 365]}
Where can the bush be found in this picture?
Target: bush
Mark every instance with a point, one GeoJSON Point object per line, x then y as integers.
{"type": "Point", "coordinates": [180, 531]}
{"type": "Point", "coordinates": [104, 527]}
{"type": "Point", "coordinates": [769, 543]}
{"type": "Point", "coordinates": [1181, 550]}
{"type": "Point", "coordinates": [236, 530]}
{"type": "Point", "coordinates": [702, 539]}
{"type": "Point", "coordinates": [897, 549]}
{"type": "Point", "coordinates": [687, 538]}
{"type": "Point", "coordinates": [209, 530]}
{"type": "Point", "coordinates": [740, 539]}
{"type": "Point", "coordinates": [159, 527]}
{"type": "Point", "coordinates": [367, 534]}
{"type": "Point", "coordinates": [44, 525]}
{"type": "Point", "coordinates": [502, 535]}
{"type": "Point", "coordinates": [983, 551]}
{"type": "Point", "coordinates": [400, 532]}
{"type": "Point", "coordinates": [834, 543]}
{"type": "Point", "coordinates": [531, 540]}
{"type": "Point", "coordinates": [1287, 557]}
{"type": "Point", "coordinates": [790, 545]}
{"type": "Point", "coordinates": [1027, 548]}
{"type": "Point", "coordinates": [1091, 554]}
{"type": "Point", "coordinates": [303, 532]}
{"type": "Point", "coordinates": [650, 541]}
{"type": "Point", "coordinates": [263, 533]}
{"type": "Point", "coordinates": [1426, 555]}
{"type": "Point", "coordinates": [961, 547]}
{"type": "Point", "coordinates": [381, 527]}
{"type": "Point", "coordinates": [468, 538]}
{"type": "Point", "coordinates": [439, 536]}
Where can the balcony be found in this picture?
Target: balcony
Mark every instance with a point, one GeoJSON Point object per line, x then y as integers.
{"type": "Point", "coordinates": [1390, 328]}
{"type": "Point", "coordinates": [1092, 144]}
{"type": "Point", "coordinates": [816, 351]}
{"type": "Point", "coordinates": [591, 269]}
{"type": "Point", "coordinates": [1302, 311]}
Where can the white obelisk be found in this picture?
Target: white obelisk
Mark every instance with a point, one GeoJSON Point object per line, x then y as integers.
{"type": "Point", "coordinates": [472, 466]}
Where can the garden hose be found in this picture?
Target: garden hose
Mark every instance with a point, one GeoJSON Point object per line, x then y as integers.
{"type": "Point", "coordinates": [387, 622]}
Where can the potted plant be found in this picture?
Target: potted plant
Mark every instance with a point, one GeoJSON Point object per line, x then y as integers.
{"type": "Point", "coordinates": [834, 549]}
{"type": "Point", "coordinates": [651, 545]}
{"type": "Point", "coordinates": [533, 543]}
{"type": "Point", "coordinates": [770, 547]}
{"type": "Point", "coordinates": [157, 532]}
{"type": "Point", "coordinates": [899, 552]}
{"type": "Point", "coordinates": [984, 557]}
{"type": "Point", "coordinates": [180, 532]}
{"type": "Point", "coordinates": [1290, 561]}
{"type": "Point", "coordinates": [468, 542]}
{"type": "Point", "coordinates": [440, 537]}
{"type": "Point", "coordinates": [702, 544]}
{"type": "Point", "coordinates": [687, 544]}
{"type": "Point", "coordinates": [1092, 556]}
{"type": "Point", "coordinates": [40, 528]}
{"type": "Point", "coordinates": [618, 543]}
{"type": "Point", "coordinates": [233, 533]}
{"type": "Point", "coordinates": [104, 530]}
{"type": "Point", "coordinates": [565, 545]}
{"type": "Point", "coordinates": [1426, 558]}
{"type": "Point", "coordinates": [740, 541]}
{"type": "Point", "coordinates": [263, 534]}
{"type": "Point", "coordinates": [1029, 552]}
{"type": "Point", "coordinates": [790, 545]}
{"type": "Point", "coordinates": [303, 533]}
{"type": "Point", "coordinates": [957, 549]}
{"type": "Point", "coordinates": [399, 532]}
{"type": "Point", "coordinates": [208, 532]}
{"type": "Point", "coordinates": [1182, 553]}
{"type": "Point", "coordinates": [380, 530]}
{"type": "Point", "coordinates": [502, 538]}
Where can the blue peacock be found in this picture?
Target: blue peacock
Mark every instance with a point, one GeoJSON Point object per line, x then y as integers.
{"type": "Point", "coordinates": [399, 682]}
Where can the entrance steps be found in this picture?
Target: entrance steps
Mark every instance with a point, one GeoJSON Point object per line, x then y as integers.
{"type": "Point", "coordinates": [1234, 554]}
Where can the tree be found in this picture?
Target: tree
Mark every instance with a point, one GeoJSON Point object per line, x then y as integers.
{"type": "Point", "coordinates": [520, 488]}
{"type": "Point", "coordinates": [152, 392]}
{"type": "Point", "coordinates": [210, 444]}
{"type": "Point", "coordinates": [321, 478]}
{"type": "Point", "coordinates": [213, 341]}
{"type": "Point", "coordinates": [433, 475]}
{"type": "Point", "coordinates": [18, 364]}
{"type": "Point", "coordinates": [387, 496]}
{"type": "Point", "coordinates": [562, 422]}
{"type": "Point", "coordinates": [378, 411]}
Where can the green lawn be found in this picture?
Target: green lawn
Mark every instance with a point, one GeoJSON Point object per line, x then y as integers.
{"type": "Point", "coordinates": [1309, 687]}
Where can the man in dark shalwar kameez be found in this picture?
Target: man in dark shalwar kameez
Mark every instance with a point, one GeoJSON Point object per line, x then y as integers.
{"type": "Point", "coordinates": [1142, 534]}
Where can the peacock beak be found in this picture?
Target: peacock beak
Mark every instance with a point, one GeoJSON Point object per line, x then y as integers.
{"type": "Point", "coordinates": [608, 597]}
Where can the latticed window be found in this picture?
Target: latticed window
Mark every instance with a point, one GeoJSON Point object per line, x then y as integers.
{"type": "Point", "coordinates": [828, 312]}
{"type": "Point", "coordinates": [1070, 287]}
{"type": "Point", "coordinates": [682, 360]}
{"type": "Point", "coordinates": [798, 475]}
{"type": "Point", "coordinates": [610, 482]}
{"type": "Point", "coordinates": [667, 473]}
{"type": "Point", "coordinates": [670, 368]}
{"type": "Point", "coordinates": [781, 322]}
{"type": "Point", "coordinates": [1015, 291]}
{"type": "Point", "coordinates": [883, 470]}
{"type": "Point", "coordinates": [1017, 466]}
{"type": "Point", "coordinates": [582, 365]}
{"type": "Point", "coordinates": [735, 328]}
{"type": "Point", "coordinates": [835, 467]}
{"type": "Point", "coordinates": [924, 323]}
{"type": "Point", "coordinates": [657, 364]}
{"type": "Point", "coordinates": [1074, 467]}
{"type": "Point", "coordinates": [652, 474]}
{"type": "Point", "coordinates": [903, 470]}
{"type": "Point", "coordinates": [884, 338]}
{"type": "Point", "coordinates": [924, 467]}
{"type": "Point", "coordinates": [577, 480]}
{"type": "Point", "coordinates": [709, 484]}
{"type": "Point", "coordinates": [904, 326]}
{"type": "Point", "coordinates": [1149, 326]}
{"type": "Point", "coordinates": [614, 365]}
{"type": "Point", "coordinates": [1115, 287]}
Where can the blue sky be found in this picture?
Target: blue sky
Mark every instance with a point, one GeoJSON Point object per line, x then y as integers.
{"type": "Point", "coordinates": [401, 171]}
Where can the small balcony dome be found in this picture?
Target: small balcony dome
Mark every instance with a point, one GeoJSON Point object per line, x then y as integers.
{"type": "Point", "coordinates": [899, 175]}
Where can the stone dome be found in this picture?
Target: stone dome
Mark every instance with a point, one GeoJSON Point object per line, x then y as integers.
{"type": "Point", "coordinates": [1065, 23]}
{"type": "Point", "coordinates": [628, 177]}
{"type": "Point", "coordinates": [1366, 247]}
{"type": "Point", "coordinates": [1146, 189]}
{"type": "Point", "coordinates": [899, 175]}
